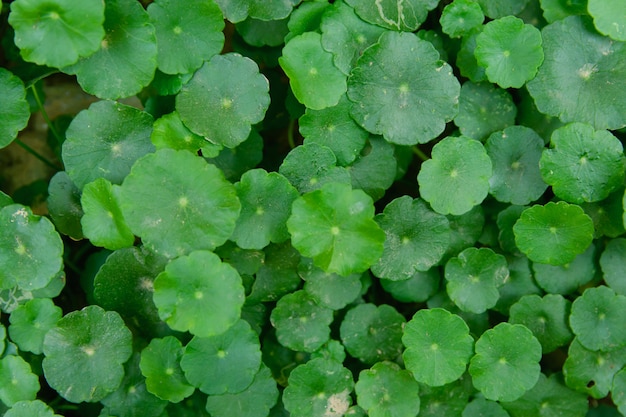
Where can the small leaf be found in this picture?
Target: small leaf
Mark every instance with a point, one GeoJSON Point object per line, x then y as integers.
{"type": "Point", "coordinates": [457, 177]}
{"type": "Point", "coordinates": [499, 8]}
{"type": "Point", "coordinates": [567, 278]}
{"type": "Point", "coordinates": [606, 20]}
{"type": "Point", "coordinates": [278, 275]}
{"type": "Point", "coordinates": [231, 89]}
{"type": "Point", "coordinates": [618, 390]}
{"type": "Point", "coordinates": [17, 381]}
{"type": "Point", "coordinates": [554, 10]}
{"type": "Point", "coordinates": [170, 132]}
{"type": "Point", "coordinates": [31, 321]}
{"type": "Point", "coordinates": [394, 14]}
{"type": "Point", "coordinates": [438, 346]}
{"type": "Point", "coordinates": [417, 289]}
{"type": "Point", "coordinates": [506, 364]}
{"type": "Point", "coordinates": [375, 170]}
{"type": "Point", "coordinates": [334, 225]}
{"type": "Point", "coordinates": [41, 26]}
{"type": "Point", "coordinates": [237, 10]}
{"type": "Point", "coordinates": [612, 262]}
{"type": "Point", "coordinates": [200, 294]}
{"type": "Point", "coordinates": [460, 17]}
{"type": "Point", "coordinates": [554, 233]}
{"type": "Point", "coordinates": [84, 354]}
{"type": "Point", "coordinates": [329, 290]}
{"type": "Point", "coordinates": [480, 407]}
{"type": "Point", "coordinates": [34, 408]}
{"type": "Point", "coordinates": [14, 109]}
{"type": "Point", "coordinates": [64, 205]}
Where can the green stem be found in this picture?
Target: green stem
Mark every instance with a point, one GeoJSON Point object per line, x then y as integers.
{"type": "Point", "coordinates": [290, 140]}
{"type": "Point", "coordinates": [37, 155]}
{"type": "Point", "coordinates": [421, 155]}
{"type": "Point", "coordinates": [45, 115]}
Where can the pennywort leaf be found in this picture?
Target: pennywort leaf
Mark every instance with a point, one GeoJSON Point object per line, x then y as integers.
{"type": "Point", "coordinates": [17, 380]}
{"type": "Point", "coordinates": [31, 321]}
{"type": "Point", "coordinates": [606, 20]}
{"type": "Point", "coordinates": [14, 109]}
{"type": "Point", "coordinates": [35, 408]}
{"type": "Point", "coordinates": [394, 14]}
{"type": "Point", "coordinates": [460, 17]}
{"type": "Point", "coordinates": [611, 262]}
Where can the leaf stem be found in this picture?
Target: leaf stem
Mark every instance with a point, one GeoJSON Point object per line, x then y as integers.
{"type": "Point", "coordinates": [37, 155]}
{"type": "Point", "coordinates": [290, 140]}
{"type": "Point", "coordinates": [420, 154]}
{"type": "Point", "coordinates": [45, 115]}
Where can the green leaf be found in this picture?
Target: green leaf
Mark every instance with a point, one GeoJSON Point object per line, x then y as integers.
{"type": "Point", "coordinates": [596, 319]}
{"type": "Point", "coordinates": [457, 177]}
{"type": "Point", "coordinates": [14, 109]}
{"type": "Point", "coordinates": [549, 398]}
{"type": "Point", "coordinates": [372, 333]}
{"type": "Point", "coordinates": [567, 278]}
{"type": "Point", "coordinates": [483, 109]}
{"type": "Point", "coordinates": [394, 14]}
{"type": "Point", "coordinates": [160, 364]}
{"type": "Point", "coordinates": [17, 381]}
{"type": "Point", "coordinates": [554, 233]}
{"type": "Point", "coordinates": [301, 324]}
{"type": "Point", "coordinates": [255, 400]}
{"type": "Point", "coordinates": [416, 238]}
{"type": "Point", "coordinates": [319, 387]}
{"type": "Point", "coordinates": [346, 35]}
{"type": "Point", "coordinates": [448, 400]}
{"type": "Point", "coordinates": [592, 372]}
{"type": "Point", "coordinates": [506, 364]}
{"type": "Point", "coordinates": [334, 128]}
{"type": "Point", "coordinates": [460, 17]}
{"type": "Point", "coordinates": [306, 18]}
{"type": "Point", "coordinates": [238, 10]}
{"type": "Point", "coordinates": [34, 408]}
{"type": "Point", "coordinates": [387, 390]}
{"type": "Point", "coordinates": [225, 363]}
{"type": "Point", "coordinates": [261, 33]}
{"type": "Point", "coordinates": [618, 390]}
{"type": "Point", "coordinates": [314, 79]}
{"type": "Point", "coordinates": [400, 89]}
{"type": "Point", "coordinates": [581, 73]}
{"type": "Point", "coordinates": [466, 61]}
{"type": "Point", "coordinates": [129, 34]}
{"type": "Point", "coordinates": [583, 164]}
{"type": "Point", "coordinates": [607, 19]}
{"type": "Point", "coordinates": [103, 223]}
{"type": "Point", "coordinates": [104, 141]}
{"type": "Point", "coordinates": [170, 132]}
{"type": "Point", "coordinates": [417, 289]}
{"type": "Point", "coordinates": [607, 215]}
{"type": "Point", "coordinates": [30, 249]}
{"type": "Point", "coordinates": [499, 8]}
{"type": "Point", "coordinates": [231, 89]}
{"type": "Point", "coordinates": [84, 354]}
{"type": "Point", "coordinates": [466, 229]}
{"type": "Point", "coordinates": [438, 346]}
{"type": "Point", "coordinates": [41, 26]}
{"type": "Point", "coordinates": [64, 205]}
{"type": "Point", "coordinates": [200, 294]}
{"type": "Point", "coordinates": [480, 407]}
{"type": "Point", "coordinates": [265, 206]}
{"type": "Point", "coordinates": [510, 51]}
{"type": "Point", "coordinates": [329, 290]}
{"type": "Point", "coordinates": [554, 10]}
{"type": "Point", "coordinates": [278, 275]}
{"type": "Point", "coordinates": [519, 283]}
{"type": "Point", "coordinates": [547, 317]}
{"type": "Point", "coordinates": [186, 36]}
{"type": "Point", "coordinates": [612, 262]}
{"type": "Point", "coordinates": [334, 225]}
{"type": "Point", "coordinates": [308, 167]}
{"type": "Point", "coordinates": [31, 321]}
{"type": "Point", "coordinates": [374, 171]}
{"type": "Point", "coordinates": [196, 208]}
{"type": "Point", "coordinates": [515, 153]}
{"type": "Point", "coordinates": [235, 162]}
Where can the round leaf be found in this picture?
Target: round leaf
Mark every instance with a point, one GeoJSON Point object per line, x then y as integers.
{"type": "Point", "coordinates": [315, 80]}
{"type": "Point", "coordinates": [170, 132]}
{"type": "Point", "coordinates": [200, 294]}
{"type": "Point", "coordinates": [567, 278]}
{"type": "Point", "coordinates": [84, 354]}
{"type": "Point", "coordinates": [387, 390]}
{"type": "Point", "coordinates": [460, 17]}
{"type": "Point", "coordinates": [612, 262]}
{"type": "Point", "coordinates": [317, 388]}
{"type": "Point", "coordinates": [607, 18]}
{"type": "Point", "coordinates": [554, 233]}
{"type": "Point", "coordinates": [42, 25]}
{"type": "Point", "coordinates": [226, 363]}
{"type": "Point", "coordinates": [581, 76]}
{"type": "Point", "coordinates": [104, 141]}
{"type": "Point", "coordinates": [196, 208]}
{"type": "Point", "coordinates": [375, 170]}
{"type": "Point", "coordinates": [583, 165]}
{"type": "Point", "coordinates": [17, 381]}
{"type": "Point", "coordinates": [129, 35]}
{"type": "Point", "coordinates": [229, 88]}
{"type": "Point", "coordinates": [500, 8]}
{"type": "Point", "coordinates": [334, 225]}
{"type": "Point", "coordinates": [402, 90]}
{"type": "Point", "coordinates": [618, 390]}
{"type": "Point", "coordinates": [510, 51]}
{"type": "Point", "coordinates": [457, 177]}
{"type": "Point", "coordinates": [14, 109]}
{"type": "Point", "coordinates": [64, 205]}
{"type": "Point", "coordinates": [480, 407]}
{"type": "Point", "coordinates": [416, 239]}
{"type": "Point", "coordinates": [515, 154]}
{"type": "Point", "coordinates": [438, 346]}
{"type": "Point", "coordinates": [30, 249]}
{"type": "Point", "coordinates": [237, 10]}
{"type": "Point", "coordinates": [417, 289]}
{"type": "Point", "coordinates": [329, 290]}
{"type": "Point", "coordinates": [31, 321]}
{"type": "Point", "coordinates": [393, 14]}
{"type": "Point", "coordinates": [34, 408]}
{"type": "Point", "coordinates": [186, 36]}
{"type": "Point", "coordinates": [506, 364]}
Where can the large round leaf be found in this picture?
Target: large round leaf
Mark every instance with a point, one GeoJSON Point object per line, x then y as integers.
{"type": "Point", "coordinates": [582, 76]}
{"type": "Point", "coordinates": [179, 195]}
{"type": "Point", "coordinates": [200, 294]}
{"type": "Point", "coordinates": [129, 35]}
{"type": "Point", "coordinates": [188, 35]}
{"type": "Point", "coordinates": [30, 249]}
{"type": "Point", "coordinates": [14, 109]}
{"type": "Point", "coordinates": [334, 225]}
{"type": "Point", "coordinates": [84, 354]}
{"type": "Point", "coordinates": [231, 90]}
{"type": "Point", "coordinates": [42, 26]}
{"type": "Point", "coordinates": [402, 90]}
{"type": "Point", "coordinates": [104, 141]}
{"type": "Point", "coordinates": [457, 177]}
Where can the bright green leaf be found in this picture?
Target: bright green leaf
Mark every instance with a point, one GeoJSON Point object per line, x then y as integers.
{"type": "Point", "coordinates": [170, 132]}
{"type": "Point", "coordinates": [394, 14]}
{"type": "Point", "coordinates": [618, 390]}
{"type": "Point", "coordinates": [17, 381]}
{"type": "Point", "coordinates": [554, 10]}
{"type": "Point", "coordinates": [466, 61]}
{"type": "Point", "coordinates": [31, 321]}
{"type": "Point", "coordinates": [238, 10]}
{"type": "Point", "coordinates": [34, 408]}
{"type": "Point", "coordinates": [14, 109]}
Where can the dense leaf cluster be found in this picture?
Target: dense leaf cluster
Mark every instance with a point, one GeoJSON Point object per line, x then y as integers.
{"type": "Point", "coordinates": [362, 208]}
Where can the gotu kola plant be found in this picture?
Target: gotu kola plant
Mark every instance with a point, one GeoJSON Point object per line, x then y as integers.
{"type": "Point", "coordinates": [314, 208]}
